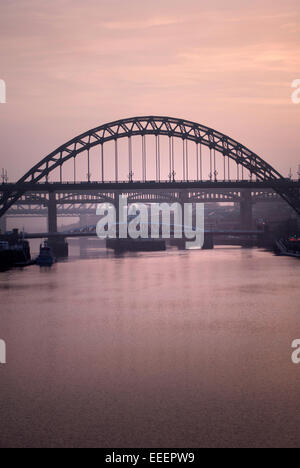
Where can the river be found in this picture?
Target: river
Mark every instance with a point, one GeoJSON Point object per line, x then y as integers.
{"type": "Point", "coordinates": [169, 349]}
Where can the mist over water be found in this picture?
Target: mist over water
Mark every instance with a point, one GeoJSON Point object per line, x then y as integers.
{"type": "Point", "coordinates": [173, 349]}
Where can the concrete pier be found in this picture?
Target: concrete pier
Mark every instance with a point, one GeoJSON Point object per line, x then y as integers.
{"type": "Point", "coordinates": [59, 247]}
{"type": "Point", "coordinates": [246, 207]}
{"type": "Point", "coordinates": [52, 213]}
{"type": "Point", "coordinates": [3, 224]}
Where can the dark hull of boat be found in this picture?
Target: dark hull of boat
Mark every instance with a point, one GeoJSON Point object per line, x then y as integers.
{"type": "Point", "coordinates": [10, 258]}
{"type": "Point", "coordinates": [44, 262]}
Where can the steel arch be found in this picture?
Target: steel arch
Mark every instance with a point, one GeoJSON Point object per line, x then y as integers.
{"type": "Point", "coordinates": [139, 126]}
{"type": "Point", "coordinates": [152, 125]}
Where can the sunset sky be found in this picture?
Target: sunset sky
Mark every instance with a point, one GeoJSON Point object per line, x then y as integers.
{"type": "Point", "coordinates": [71, 65]}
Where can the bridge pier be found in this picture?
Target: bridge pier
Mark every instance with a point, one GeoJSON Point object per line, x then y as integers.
{"type": "Point", "coordinates": [83, 246]}
{"type": "Point", "coordinates": [116, 205]}
{"type": "Point", "coordinates": [180, 243]}
{"type": "Point", "coordinates": [246, 210]}
{"type": "Point", "coordinates": [59, 246]}
{"type": "Point", "coordinates": [52, 213]}
{"type": "Point", "coordinates": [208, 241]}
{"type": "Point", "coordinates": [83, 220]}
{"type": "Point", "coordinates": [183, 198]}
{"type": "Point", "coordinates": [3, 224]}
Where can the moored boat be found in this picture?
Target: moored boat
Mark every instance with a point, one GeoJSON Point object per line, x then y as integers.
{"type": "Point", "coordinates": [46, 257]}
{"type": "Point", "coordinates": [14, 252]}
{"type": "Point", "coordinates": [289, 247]}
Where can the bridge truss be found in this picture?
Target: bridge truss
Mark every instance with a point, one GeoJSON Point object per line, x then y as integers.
{"type": "Point", "coordinates": [76, 204]}
{"type": "Point", "coordinates": [157, 149]}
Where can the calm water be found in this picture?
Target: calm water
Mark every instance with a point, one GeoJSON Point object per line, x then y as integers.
{"type": "Point", "coordinates": [177, 349]}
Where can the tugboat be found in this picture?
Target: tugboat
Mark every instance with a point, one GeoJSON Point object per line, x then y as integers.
{"type": "Point", "coordinates": [46, 257]}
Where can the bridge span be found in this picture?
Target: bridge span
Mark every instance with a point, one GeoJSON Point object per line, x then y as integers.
{"type": "Point", "coordinates": [92, 233]}
{"type": "Point", "coordinates": [148, 159]}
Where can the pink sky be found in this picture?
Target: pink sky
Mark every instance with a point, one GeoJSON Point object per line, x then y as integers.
{"type": "Point", "coordinates": [71, 65]}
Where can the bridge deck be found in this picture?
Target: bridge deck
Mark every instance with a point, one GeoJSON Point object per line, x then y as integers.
{"type": "Point", "coordinates": [44, 235]}
{"type": "Point", "coordinates": [140, 185]}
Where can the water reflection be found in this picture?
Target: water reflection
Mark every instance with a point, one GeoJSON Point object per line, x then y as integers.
{"type": "Point", "coordinates": [160, 350]}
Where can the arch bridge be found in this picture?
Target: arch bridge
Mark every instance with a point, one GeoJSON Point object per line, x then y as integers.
{"type": "Point", "coordinates": [142, 155]}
